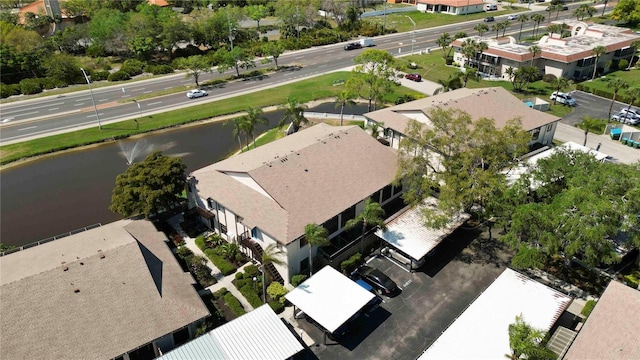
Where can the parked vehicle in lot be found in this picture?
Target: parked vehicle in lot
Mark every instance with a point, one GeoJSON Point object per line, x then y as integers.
{"type": "Point", "coordinates": [626, 118]}
{"type": "Point", "coordinates": [491, 7]}
{"type": "Point", "coordinates": [375, 301]}
{"type": "Point", "coordinates": [413, 77]}
{"type": "Point", "coordinates": [563, 98]}
{"type": "Point", "coordinates": [191, 94]}
{"type": "Point", "coordinates": [632, 111]}
{"type": "Point", "coordinates": [353, 46]}
{"type": "Point", "coordinates": [381, 282]}
{"type": "Point", "coordinates": [512, 17]}
{"type": "Point", "coordinates": [489, 19]}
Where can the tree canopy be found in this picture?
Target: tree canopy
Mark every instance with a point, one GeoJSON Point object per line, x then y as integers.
{"type": "Point", "coordinates": [627, 11]}
{"type": "Point", "coordinates": [150, 186]}
{"type": "Point", "coordinates": [373, 75]}
{"type": "Point", "coordinates": [527, 343]}
{"type": "Point", "coordinates": [458, 158]}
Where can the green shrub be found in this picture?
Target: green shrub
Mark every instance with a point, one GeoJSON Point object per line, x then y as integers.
{"type": "Point", "coordinates": [9, 90]}
{"type": "Point", "coordinates": [214, 82]}
{"type": "Point", "coordinates": [220, 293]}
{"type": "Point", "coordinates": [119, 76]}
{"type": "Point", "coordinates": [184, 252]}
{"type": "Point", "coordinates": [277, 306]}
{"type": "Point", "coordinates": [96, 50]}
{"type": "Point", "coordinates": [225, 267]}
{"type": "Point", "coordinates": [622, 64]}
{"type": "Point", "coordinates": [250, 271]}
{"type": "Point", "coordinates": [200, 243]}
{"type": "Point", "coordinates": [449, 60]}
{"type": "Point", "coordinates": [239, 275]}
{"type": "Point", "coordinates": [633, 279]}
{"type": "Point", "coordinates": [30, 86]}
{"type": "Point", "coordinates": [298, 279]}
{"type": "Point", "coordinates": [133, 67]}
{"type": "Point", "coordinates": [160, 69]}
{"type": "Point", "coordinates": [588, 307]}
{"type": "Point", "coordinates": [234, 304]}
{"type": "Point", "coordinates": [277, 291]}
{"type": "Point", "coordinates": [100, 75]}
{"type": "Point", "coordinates": [548, 78]}
{"type": "Point", "coordinates": [243, 282]}
{"type": "Point", "coordinates": [251, 295]}
{"type": "Point", "coordinates": [351, 263]}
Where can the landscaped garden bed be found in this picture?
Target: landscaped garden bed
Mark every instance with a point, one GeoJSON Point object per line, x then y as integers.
{"type": "Point", "coordinates": [197, 266]}
{"type": "Point", "coordinates": [224, 255]}
{"type": "Point", "coordinates": [228, 305]}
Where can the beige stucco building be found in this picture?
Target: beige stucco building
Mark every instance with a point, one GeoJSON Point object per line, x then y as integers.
{"type": "Point", "coordinates": [453, 7]}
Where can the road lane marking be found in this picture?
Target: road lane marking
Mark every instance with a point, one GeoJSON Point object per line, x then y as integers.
{"type": "Point", "coordinates": [94, 115]}
{"type": "Point", "coordinates": [147, 92]}
{"type": "Point", "coordinates": [27, 128]}
{"type": "Point", "coordinates": [168, 87]}
{"type": "Point", "coordinates": [29, 113]}
{"type": "Point", "coordinates": [79, 104]}
{"type": "Point", "coordinates": [83, 99]}
{"type": "Point", "coordinates": [52, 109]}
{"type": "Point", "coordinates": [154, 103]}
{"type": "Point", "coordinates": [103, 100]}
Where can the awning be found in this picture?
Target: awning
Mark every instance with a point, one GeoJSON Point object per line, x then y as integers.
{"type": "Point", "coordinates": [408, 233]}
{"type": "Point", "coordinates": [329, 298]}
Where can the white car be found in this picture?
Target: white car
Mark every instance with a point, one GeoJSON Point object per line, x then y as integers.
{"type": "Point", "coordinates": [563, 98]}
{"type": "Point", "coordinates": [512, 17]}
{"type": "Point", "coordinates": [192, 94]}
{"type": "Point", "coordinates": [633, 112]}
{"type": "Point", "coordinates": [626, 118]}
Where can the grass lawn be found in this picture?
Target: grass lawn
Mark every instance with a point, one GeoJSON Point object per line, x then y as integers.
{"type": "Point", "coordinates": [429, 20]}
{"type": "Point", "coordinates": [304, 91]}
{"type": "Point", "coordinates": [632, 77]}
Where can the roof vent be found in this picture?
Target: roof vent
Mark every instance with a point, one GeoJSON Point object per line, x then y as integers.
{"type": "Point", "coordinates": [102, 256]}
{"type": "Point", "coordinates": [81, 263]}
{"type": "Point", "coordinates": [306, 170]}
{"type": "Point", "coordinates": [76, 290]}
{"type": "Point", "coordinates": [65, 268]}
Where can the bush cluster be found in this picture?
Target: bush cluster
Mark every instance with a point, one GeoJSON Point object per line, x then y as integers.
{"type": "Point", "coordinates": [100, 75]}
{"type": "Point", "coordinates": [588, 307]}
{"type": "Point", "coordinates": [234, 304]}
{"type": "Point", "coordinates": [160, 69]}
{"type": "Point", "coordinates": [251, 295]}
{"type": "Point", "coordinates": [277, 306]}
{"type": "Point", "coordinates": [7, 90]}
{"type": "Point", "coordinates": [197, 265]}
{"type": "Point", "coordinates": [119, 76]}
{"type": "Point", "coordinates": [277, 292]}
{"type": "Point", "coordinates": [200, 243]}
{"type": "Point", "coordinates": [30, 86]}
{"type": "Point", "coordinates": [607, 93]}
{"type": "Point", "coordinates": [133, 67]}
{"type": "Point", "coordinates": [225, 267]}
{"type": "Point", "coordinates": [351, 263]}
{"type": "Point", "coordinates": [549, 78]}
{"type": "Point", "coordinates": [298, 279]}
{"type": "Point", "coordinates": [220, 293]}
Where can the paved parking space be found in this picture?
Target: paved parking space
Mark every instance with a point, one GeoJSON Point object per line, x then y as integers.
{"type": "Point", "coordinates": [431, 299]}
{"type": "Point", "coordinates": [591, 105]}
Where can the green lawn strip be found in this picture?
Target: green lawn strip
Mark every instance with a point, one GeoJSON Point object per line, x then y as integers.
{"type": "Point", "coordinates": [599, 85]}
{"type": "Point", "coordinates": [430, 20]}
{"type": "Point", "coordinates": [304, 91]}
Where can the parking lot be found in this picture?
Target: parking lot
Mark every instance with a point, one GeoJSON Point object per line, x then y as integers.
{"type": "Point", "coordinates": [590, 105]}
{"type": "Point", "coordinates": [431, 299]}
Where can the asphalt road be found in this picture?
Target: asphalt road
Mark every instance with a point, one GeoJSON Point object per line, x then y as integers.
{"type": "Point", "coordinates": [45, 116]}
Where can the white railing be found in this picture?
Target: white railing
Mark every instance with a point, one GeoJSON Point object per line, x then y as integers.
{"type": "Point", "coordinates": [318, 115]}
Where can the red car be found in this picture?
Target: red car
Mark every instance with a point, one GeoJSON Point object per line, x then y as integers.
{"type": "Point", "coordinates": [414, 77]}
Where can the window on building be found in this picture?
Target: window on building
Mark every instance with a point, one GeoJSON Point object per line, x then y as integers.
{"type": "Point", "coordinates": [386, 193]}
{"type": "Point", "coordinates": [210, 203]}
{"type": "Point", "coordinates": [304, 266]}
{"type": "Point", "coordinates": [331, 225]}
{"type": "Point", "coordinates": [397, 189]}
{"type": "Point", "coordinates": [303, 241]}
{"type": "Point", "coordinates": [254, 233]}
{"type": "Point", "coordinates": [535, 134]}
{"type": "Point", "coordinates": [223, 229]}
{"type": "Point", "coordinates": [181, 336]}
{"type": "Point", "coordinates": [549, 127]}
{"type": "Point", "coordinates": [347, 215]}
{"type": "Point", "coordinates": [375, 196]}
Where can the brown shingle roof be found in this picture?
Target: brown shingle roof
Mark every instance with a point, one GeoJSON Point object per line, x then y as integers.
{"type": "Point", "coordinates": [133, 295]}
{"type": "Point", "coordinates": [494, 103]}
{"type": "Point", "coordinates": [318, 173]}
{"type": "Point", "coordinates": [613, 328]}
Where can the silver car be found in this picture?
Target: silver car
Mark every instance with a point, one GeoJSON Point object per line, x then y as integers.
{"type": "Point", "coordinates": [192, 94]}
{"type": "Point", "coordinates": [626, 118]}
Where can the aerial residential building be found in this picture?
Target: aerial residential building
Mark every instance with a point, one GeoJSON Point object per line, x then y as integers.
{"type": "Point", "coordinates": [267, 195]}
{"type": "Point", "coordinates": [452, 7]}
{"type": "Point", "coordinates": [570, 57]}
{"type": "Point", "coordinates": [111, 292]}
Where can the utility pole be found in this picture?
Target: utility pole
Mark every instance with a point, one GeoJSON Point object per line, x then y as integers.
{"type": "Point", "coordinates": [384, 21]}
{"type": "Point", "coordinates": [92, 98]}
{"type": "Point", "coordinates": [231, 37]}
{"type": "Point", "coordinates": [297, 22]}
{"type": "Point", "coordinates": [413, 35]}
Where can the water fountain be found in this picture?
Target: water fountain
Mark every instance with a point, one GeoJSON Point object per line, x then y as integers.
{"type": "Point", "coordinates": [134, 148]}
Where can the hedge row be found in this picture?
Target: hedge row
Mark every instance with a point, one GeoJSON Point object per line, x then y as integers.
{"type": "Point", "coordinates": [606, 93]}
{"type": "Point", "coordinates": [225, 267]}
{"type": "Point", "coordinates": [200, 243]}
{"type": "Point", "coordinates": [351, 263]}
{"type": "Point", "coordinates": [234, 304]}
{"type": "Point", "coordinates": [251, 295]}
{"type": "Point", "coordinates": [277, 306]}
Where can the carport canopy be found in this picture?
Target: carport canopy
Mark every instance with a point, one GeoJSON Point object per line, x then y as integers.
{"type": "Point", "coordinates": [408, 233]}
{"type": "Point", "coordinates": [329, 298]}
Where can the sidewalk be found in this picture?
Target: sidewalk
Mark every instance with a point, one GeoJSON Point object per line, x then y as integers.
{"type": "Point", "coordinates": [618, 152]}
{"type": "Point", "coordinates": [226, 281]}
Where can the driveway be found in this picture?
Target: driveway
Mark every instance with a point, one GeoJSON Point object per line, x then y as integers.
{"type": "Point", "coordinates": [591, 105]}
{"type": "Point", "coordinates": [432, 298]}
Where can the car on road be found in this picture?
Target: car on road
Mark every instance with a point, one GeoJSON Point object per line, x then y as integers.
{"type": "Point", "coordinates": [381, 282]}
{"type": "Point", "coordinates": [353, 46]}
{"type": "Point", "coordinates": [512, 17]}
{"type": "Point", "coordinates": [626, 118]}
{"type": "Point", "coordinates": [633, 112]}
{"type": "Point", "coordinates": [413, 77]}
{"type": "Point", "coordinates": [563, 98]}
{"type": "Point", "coordinates": [550, 8]}
{"type": "Point", "coordinates": [489, 19]}
{"type": "Point", "coordinates": [192, 94]}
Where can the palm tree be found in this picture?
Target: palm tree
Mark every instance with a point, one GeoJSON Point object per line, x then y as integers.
{"type": "Point", "coordinates": [633, 95]}
{"type": "Point", "coordinates": [371, 215]}
{"type": "Point", "coordinates": [270, 255]}
{"type": "Point", "coordinates": [254, 117]}
{"type": "Point", "coordinates": [504, 25]}
{"type": "Point", "coordinates": [616, 85]}
{"type": "Point", "coordinates": [444, 41]}
{"type": "Point", "coordinates": [597, 51]}
{"type": "Point", "coordinates": [451, 83]}
{"type": "Point", "coordinates": [344, 98]}
{"type": "Point", "coordinates": [496, 27]}
{"type": "Point", "coordinates": [468, 74]}
{"type": "Point", "coordinates": [375, 127]}
{"type": "Point", "coordinates": [559, 84]}
{"type": "Point", "coordinates": [316, 235]}
{"type": "Point", "coordinates": [635, 45]}
{"type": "Point", "coordinates": [293, 111]}
{"type": "Point", "coordinates": [238, 128]}
{"type": "Point", "coordinates": [590, 124]}
{"type": "Point", "coordinates": [481, 29]}
{"type": "Point", "coordinates": [534, 50]}
{"type": "Point", "coordinates": [523, 18]}
{"type": "Point", "coordinates": [537, 19]}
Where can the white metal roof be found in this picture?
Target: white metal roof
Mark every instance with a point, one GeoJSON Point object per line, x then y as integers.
{"type": "Point", "coordinates": [482, 331]}
{"type": "Point", "coordinates": [329, 298]}
{"type": "Point", "coordinates": [259, 334]}
{"type": "Point", "coordinates": [409, 234]}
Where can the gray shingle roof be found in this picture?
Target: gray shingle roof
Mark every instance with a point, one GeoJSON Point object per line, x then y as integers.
{"type": "Point", "coordinates": [493, 103]}
{"type": "Point", "coordinates": [131, 291]}
{"type": "Point", "coordinates": [306, 177]}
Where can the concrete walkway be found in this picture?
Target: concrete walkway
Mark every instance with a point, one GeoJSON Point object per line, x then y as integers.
{"type": "Point", "coordinates": [226, 281]}
{"type": "Point", "coordinates": [618, 152]}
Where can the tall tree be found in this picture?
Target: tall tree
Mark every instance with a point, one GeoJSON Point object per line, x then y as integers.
{"type": "Point", "coordinates": [374, 74]}
{"type": "Point", "coordinates": [372, 215]}
{"type": "Point", "coordinates": [254, 117]}
{"type": "Point", "coordinates": [344, 98]}
{"type": "Point", "coordinates": [534, 50]}
{"type": "Point", "coordinates": [316, 235]}
{"type": "Point", "coordinates": [272, 254]}
{"type": "Point", "coordinates": [272, 51]}
{"type": "Point", "coordinates": [444, 41]}
{"type": "Point", "coordinates": [293, 111]}
{"type": "Point", "coordinates": [598, 52]}
{"type": "Point", "coordinates": [527, 343]}
{"type": "Point", "coordinates": [521, 77]}
{"type": "Point", "coordinates": [522, 18]}
{"type": "Point", "coordinates": [468, 74]}
{"type": "Point", "coordinates": [589, 124]}
{"type": "Point", "coordinates": [537, 19]}
{"type": "Point", "coordinates": [195, 65]}
{"type": "Point", "coordinates": [636, 46]}
{"type": "Point", "coordinates": [560, 84]}
{"type": "Point", "coordinates": [627, 11]}
{"type": "Point", "coordinates": [149, 187]}
{"type": "Point", "coordinates": [481, 29]}
{"type": "Point", "coordinates": [496, 27]}
{"type": "Point", "coordinates": [461, 158]}
{"type": "Point", "coordinates": [616, 84]}
{"type": "Point", "coordinates": [257, 13]}
{"type": "Point", "coordinates": [450, 83]}
{"type": "Point", "coordinates": [504, 25]}
{"type": "Point", "coordinates": [237, 58]}
{"type": "Point", "coordinates": [238, 129]}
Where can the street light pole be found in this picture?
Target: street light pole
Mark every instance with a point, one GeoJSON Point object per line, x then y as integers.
{"type": "Point", "coordinates": [95, 108]}
{"type": "Point", "coordinates": [139, 114]}
{"type": "Point", "coordinates": [413, 36]}
{"type": "Point", "coordinates": [231, 37]}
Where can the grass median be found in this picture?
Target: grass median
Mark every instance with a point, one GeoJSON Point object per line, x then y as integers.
{"type": "Point", "coordinates": [316, 88]}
